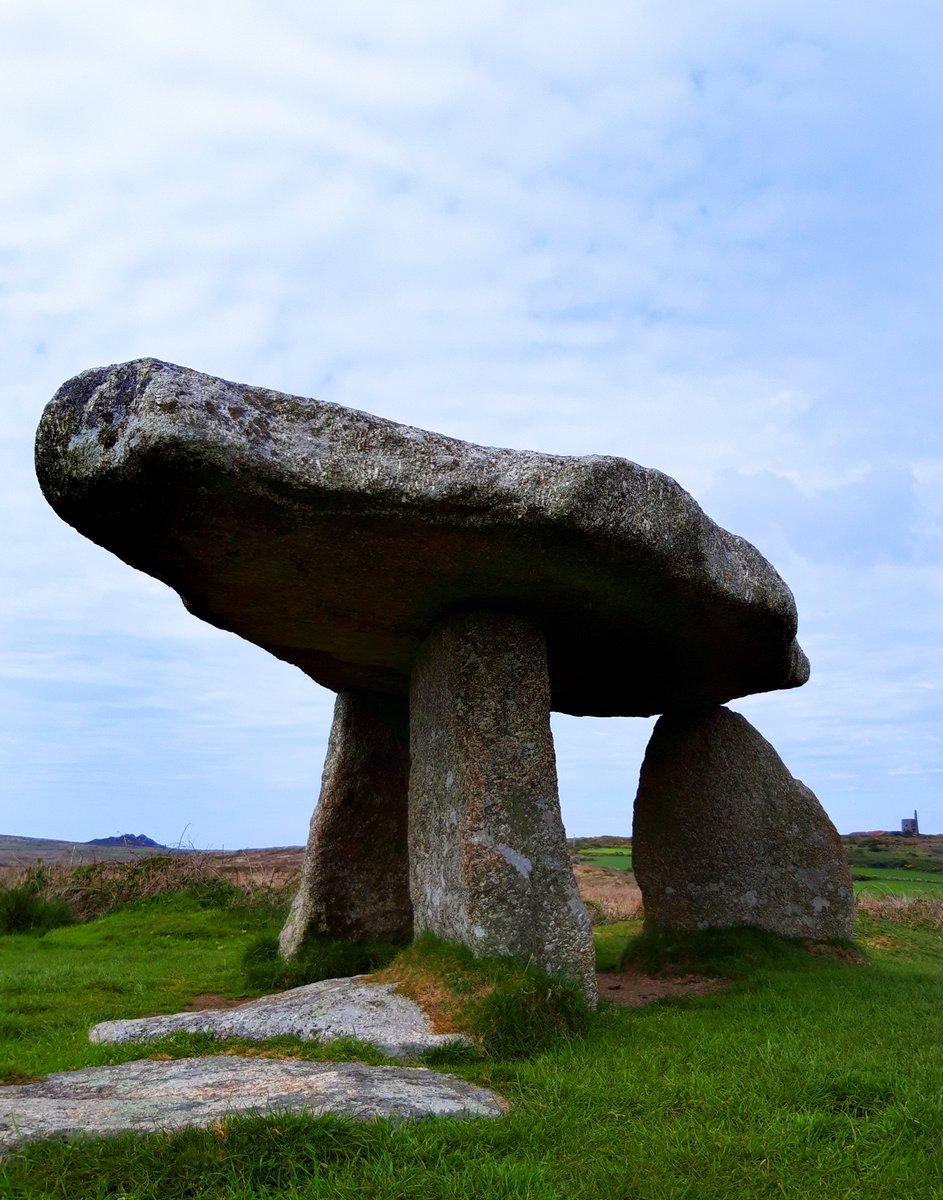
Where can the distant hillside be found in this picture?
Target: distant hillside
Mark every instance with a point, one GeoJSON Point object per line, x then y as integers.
{"type": "Point", "coordinates": [127, 839]}
{"type": "Point", "coordinates": [605, 839]}
{"type": "Point", "coordinates": [25, 852]}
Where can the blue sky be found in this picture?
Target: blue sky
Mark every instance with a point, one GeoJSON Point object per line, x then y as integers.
{"type": "Point", "coordinates": [703, 237]}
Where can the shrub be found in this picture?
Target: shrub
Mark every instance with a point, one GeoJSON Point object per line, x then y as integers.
{"type": "Point", "coordinates": [913, 912]}
{"type": "Point", "coordinates": [512, 1009]}
{"type": "Point", "coordinates": [103, 887]}
{"type": "Point", "coordinates": [526, 1012]}
{"type": "Point", "coordinates": [24, 908]}
{"type": "Point", "coordinates": [100, 888]}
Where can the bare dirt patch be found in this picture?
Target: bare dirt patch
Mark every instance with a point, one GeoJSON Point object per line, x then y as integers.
{"type": "Point", "coordinates": [609, 895]}
{"type": "Point", "coordinates": [632, 988]}
{"type": "Point", "coordinates": [840, 953]}
{"type": "Point", "coordinates": [211, 1001]}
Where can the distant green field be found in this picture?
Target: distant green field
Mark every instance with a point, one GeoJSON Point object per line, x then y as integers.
{"type": "Point", "coordinates": [616, 858]}
{"type": "Point", "coordinates": [898, 882]}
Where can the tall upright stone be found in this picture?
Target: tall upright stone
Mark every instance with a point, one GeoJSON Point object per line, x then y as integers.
{"type": "Point", "coordinates": [355, 878]}
{"type": "Point", "coordinates": [487, 849]}
{"type": "Point", "coordinates": [724, 836]}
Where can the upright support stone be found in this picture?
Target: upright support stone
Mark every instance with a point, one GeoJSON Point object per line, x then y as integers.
{"type": "Point", "coordinates": [355, 878]}
{"type": "Point", "coordinates": [487, 849]}
{"type": "Point", "coordinates": [725, 836]}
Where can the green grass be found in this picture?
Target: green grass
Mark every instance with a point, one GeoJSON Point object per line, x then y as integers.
{"type": "Point", "coordinates": [614, 858]}
{"type": "Point", "coordinates": [511, 1008]}
{"type": "Point", "coordinates": [894, 854]}
{"type": "Point", "coordinates": [22, 910]}
{"type": "Point", "coordinates": [320, 958]}
{"type": "Point", "coordinates": [738, 953]}
{"type": "Point", "coordinates": [611, 943]}
{"type": "Point", "coordinates": [897, 882]}
{"type": "Point", "coordinates": [808, 1077]}
{"type": "Point", "coordinates": [151, 957]}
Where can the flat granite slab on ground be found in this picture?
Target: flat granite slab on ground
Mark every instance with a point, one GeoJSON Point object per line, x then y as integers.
{"type": "Point", "coordinates": [320, 1012]}
{"type": "Point", "coordinates": [147, 1096]}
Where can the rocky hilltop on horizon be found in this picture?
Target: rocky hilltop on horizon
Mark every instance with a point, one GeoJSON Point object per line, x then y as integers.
{"type": "Point", "coordinates": [16, 851]}
{"type": "Point", "coordinates": [127, 839]}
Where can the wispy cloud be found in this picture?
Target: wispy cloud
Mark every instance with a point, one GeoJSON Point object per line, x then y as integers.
{"type": "Point", "coordinates": [704, 239]}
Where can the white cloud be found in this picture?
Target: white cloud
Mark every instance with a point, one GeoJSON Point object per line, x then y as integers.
{"type": "Point", "coordinates": [706, 240]}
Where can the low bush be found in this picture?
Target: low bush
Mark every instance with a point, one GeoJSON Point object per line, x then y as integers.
{"type": "Point", "coordinates": [96, 890]}
{"type": "Point", "coordinates": [104, 887]}
{"type": "Point", "coordinates": [512, 1009]}
{"type": "Point", "coordinates": [527, 1012]}
{"type": "Point", "coordinates": [25, 909]}
{"type": "Point", "coordinates": [912, 912]}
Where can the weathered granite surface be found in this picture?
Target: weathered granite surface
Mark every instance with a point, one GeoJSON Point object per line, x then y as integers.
{"type": "Point", "coordinates": [487, 850]}
{"type": "Point", "coordinates": [324, 1011]}
{"type": "Point", "coordinates": [355, 877]}
{"type": "Point", "coordinates": [146, 1096]}
{"type": "Point", "coordinates": [337, 540]}
{"type": "Point", "coordinates": [724, 835]}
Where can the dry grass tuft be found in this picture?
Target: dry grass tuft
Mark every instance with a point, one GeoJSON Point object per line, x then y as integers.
{"type": "Point", "coordinates": [96, 889]}
{"type": "Point", "coordinates": [442, 1005]}
{"type": "Point", "coordinates": [914, 912]}
{"type": "Point", "coordinates": [609, 896]}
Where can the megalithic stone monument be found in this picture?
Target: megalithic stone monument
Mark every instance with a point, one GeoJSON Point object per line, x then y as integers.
{"type": "Point", "coordinates": [475, 588]}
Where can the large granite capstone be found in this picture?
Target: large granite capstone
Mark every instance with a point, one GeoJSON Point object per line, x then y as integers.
{"type": "Point", "coordinates": [337, 540]}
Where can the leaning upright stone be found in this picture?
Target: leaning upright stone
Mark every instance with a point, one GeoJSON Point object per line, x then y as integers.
{"type": "Point", "coordinates": [725, 836]}
{"type": "Point", "coordinates": [487, 849]}
{"type": "Point", "coordinates": [355, 879]}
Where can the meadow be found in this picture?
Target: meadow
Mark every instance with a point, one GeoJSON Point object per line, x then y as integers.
{"type": "Point", "coordinates": [613, 858]}
{"type": "Point", "coordinates": [810, 1075]}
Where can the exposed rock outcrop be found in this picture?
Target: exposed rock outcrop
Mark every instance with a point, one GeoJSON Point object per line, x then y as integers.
{"type": "Point", "coordinates": [146, 1096]}
{"type": "Point", "coordinates": [319, 1012]}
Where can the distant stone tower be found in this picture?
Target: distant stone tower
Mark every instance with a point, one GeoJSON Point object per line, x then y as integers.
{"type": "Point", "coordinates": [910, 826]}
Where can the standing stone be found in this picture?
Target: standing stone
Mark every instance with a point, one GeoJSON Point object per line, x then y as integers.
{"type": "Point", "coordinates": [725, 836]}
{"type": "Point", "coordinates": [487, 849]}
{"type": "Point", "coordinates": [355, 877]}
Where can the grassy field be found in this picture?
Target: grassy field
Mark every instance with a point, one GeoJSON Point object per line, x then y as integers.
{"type": "Point", "coordinates": [890, 882]}
{"type": "Point", "coordinates": [149, 958]}
{"type": "Point", "coordinates": [616, 858]}
{"type": "Point", "coordinates": [808, 1077]}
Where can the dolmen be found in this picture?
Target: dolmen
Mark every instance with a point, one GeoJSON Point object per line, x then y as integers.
{"type": "Point", "coordinates": [453, 596]}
